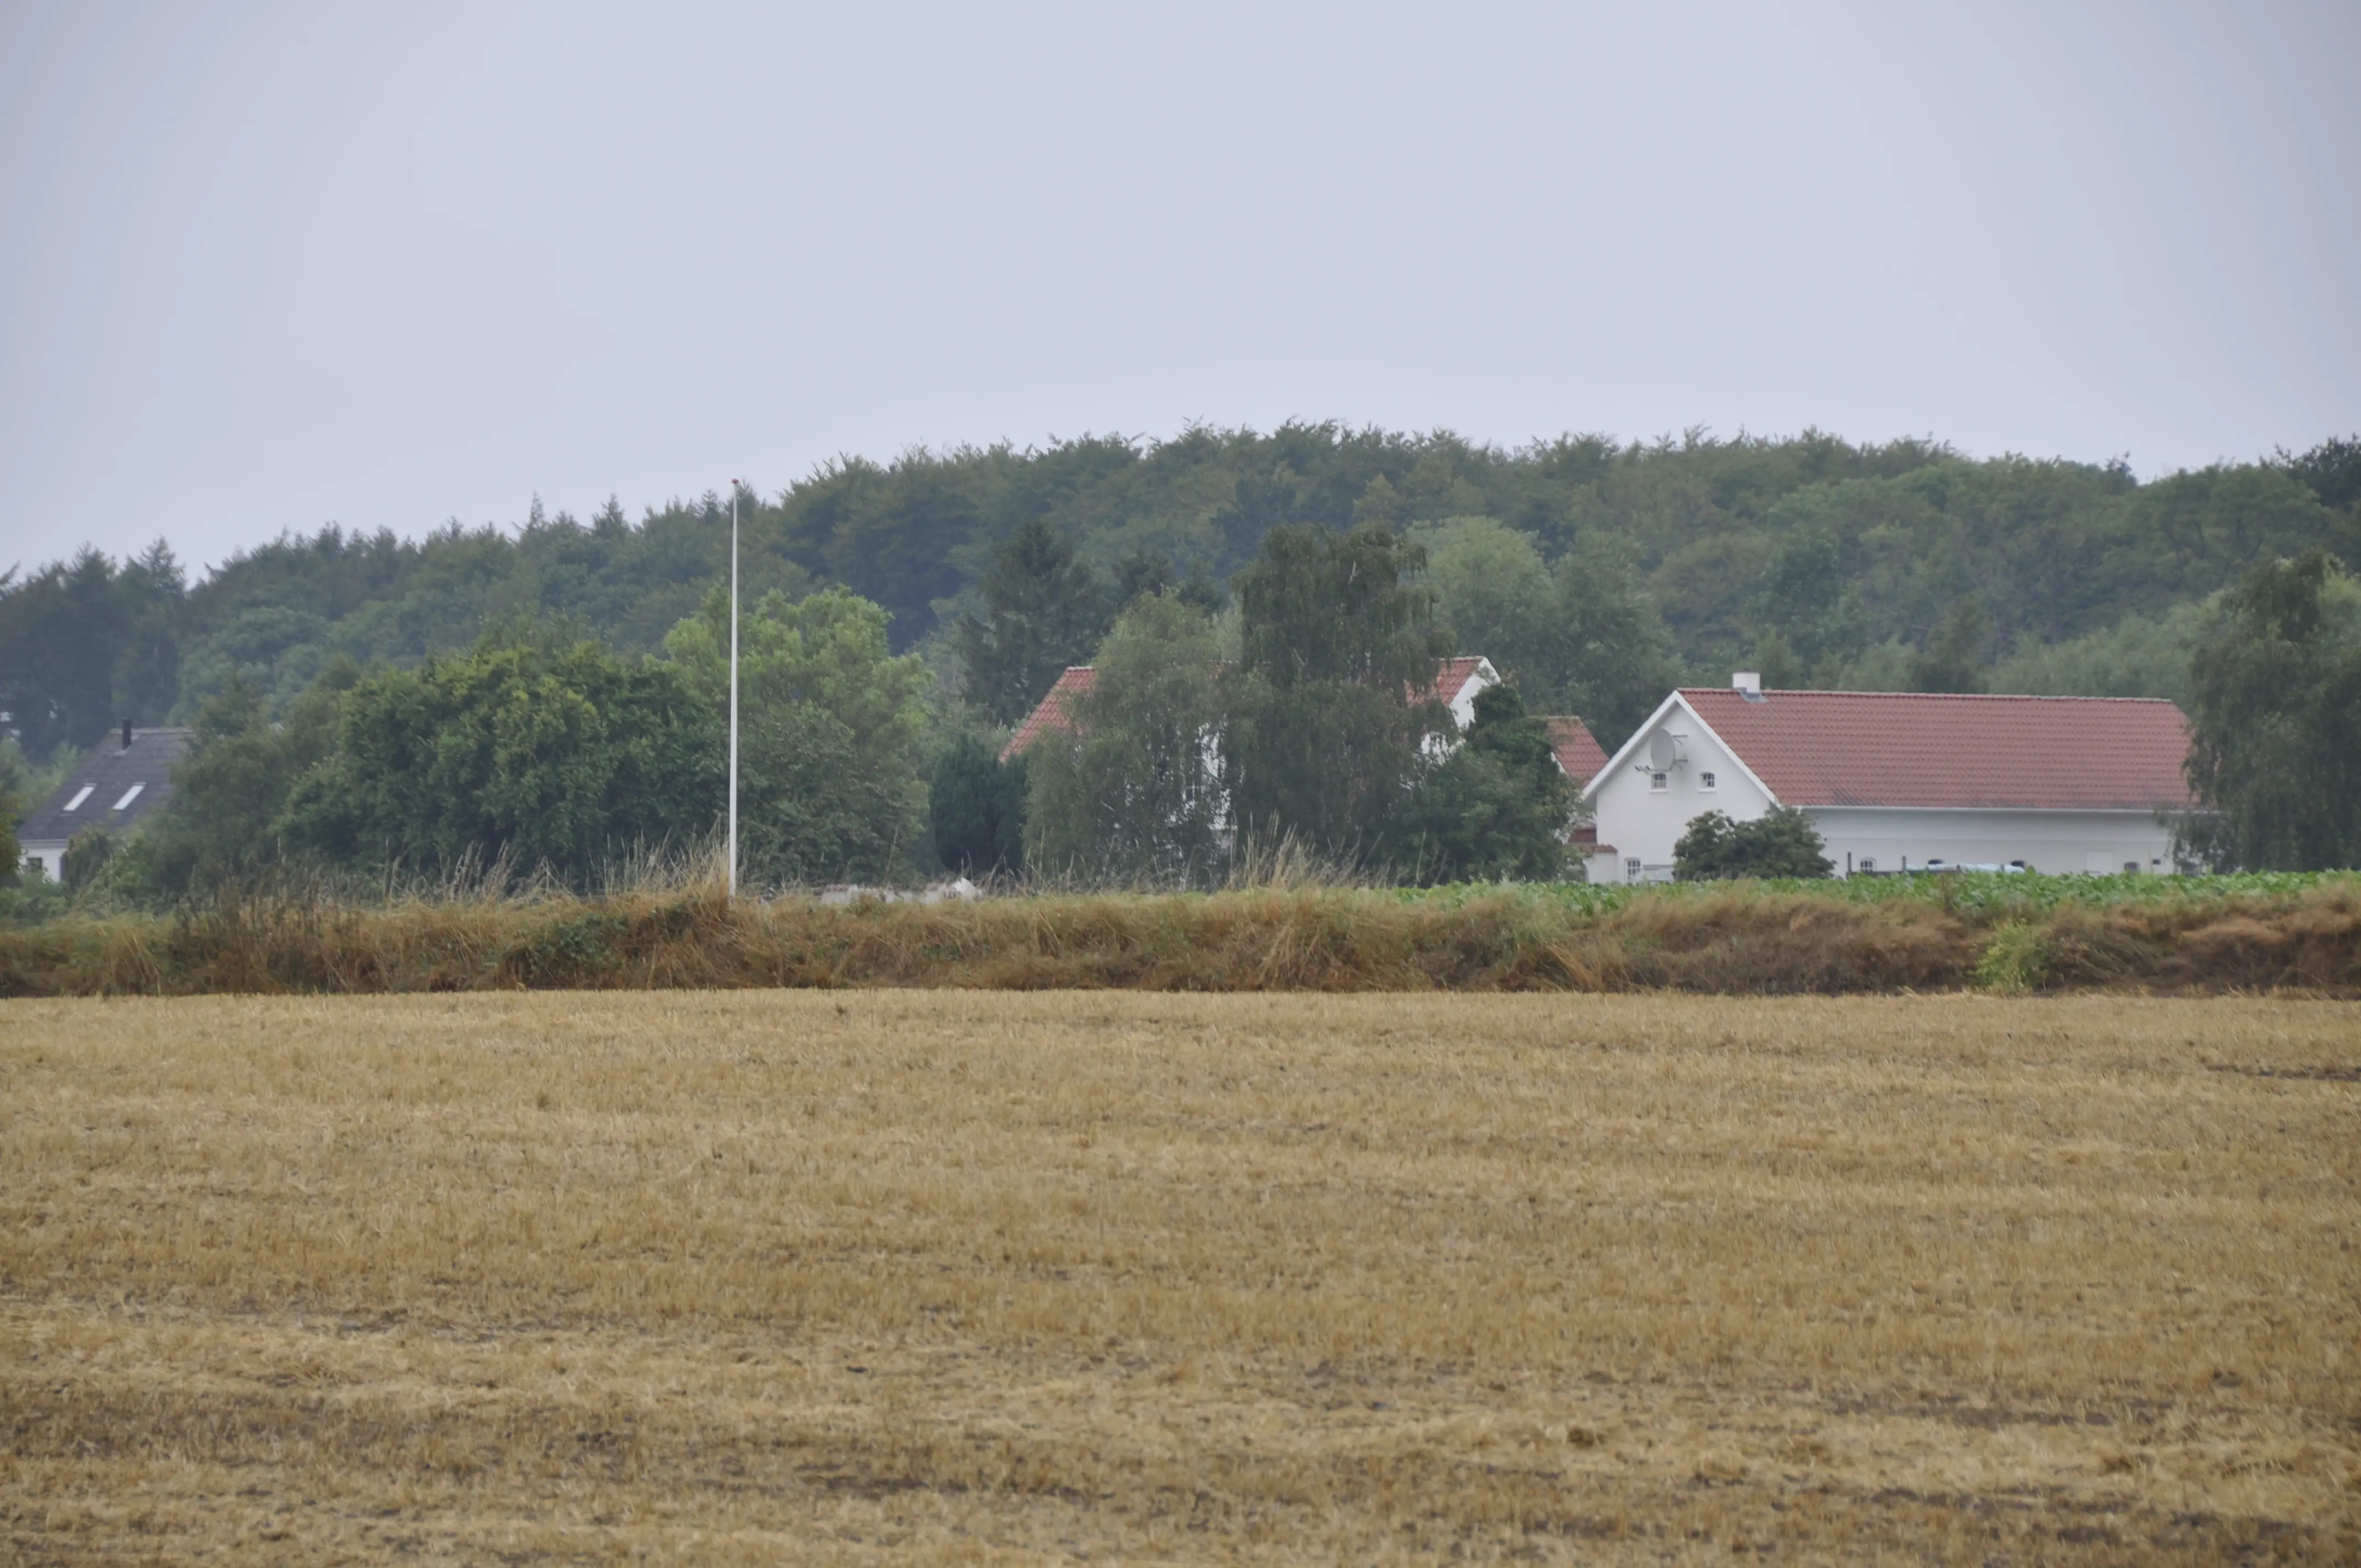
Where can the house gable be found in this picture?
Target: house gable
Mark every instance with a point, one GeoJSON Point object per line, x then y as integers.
{"type": "Point", "coordinates": [1643, 810]}
{"type": "Point", "coordinates": [1675, 715]}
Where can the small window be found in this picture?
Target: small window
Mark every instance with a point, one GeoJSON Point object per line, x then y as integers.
{"type": "Point", "coordinates": [80, 795]}
{"type": "Point", "coordinates": [1631, 869]}
{"type": "Point", "coordinates": [1659, 783]}
{"type": "Point", "coordinates": [1707, 781]}
{"type": "Point", "coordinates": [128, 796]}
{"type": "Point", "coordinates": [1869, 862]}
{"type": "Point", "coordinates": [2131, 865]}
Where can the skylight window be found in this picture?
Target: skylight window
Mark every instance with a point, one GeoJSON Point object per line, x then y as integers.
{"type": "Point", "coordinates": [128, 796]}
{"type": "Point", "coordinates": [80, 795]}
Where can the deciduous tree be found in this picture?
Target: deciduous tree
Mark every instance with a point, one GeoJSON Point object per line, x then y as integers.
{"type": "Point", "coordinates": [829, 787]}
{"type": "Point", "coordinates": [1130, 788]}
{"type": "Point", "coordinates": [2275, 752]}
{"type": "Point", "coordinates": [533, 746]}
{"type": "Point", "coordinates": [1496, 806]}
{"type": "Point", "coordinates": [223, 821]}
{"type": "Point", "coordinates": [1333, 696]}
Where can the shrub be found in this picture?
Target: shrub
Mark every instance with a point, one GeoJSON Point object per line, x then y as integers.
{"type": "Point", "coordinates": [1781, 843]}
{"type": "Point", "coordinates": [2015, 959]}
{"type": "Point", "coordinates": [87, 854]}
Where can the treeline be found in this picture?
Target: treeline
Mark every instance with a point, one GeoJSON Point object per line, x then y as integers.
{"type": "Point", "coordinates": [1819, 559]}
{"type": "Point", "coordinates": [1307, 716]}
{"type": "Point", "coordinates": [1304, 718]}
{"type": "Point", "coordinates": [1264, 611]}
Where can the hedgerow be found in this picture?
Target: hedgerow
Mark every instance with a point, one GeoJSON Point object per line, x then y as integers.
{"type": "Point", "coordinates": [1953, 931]}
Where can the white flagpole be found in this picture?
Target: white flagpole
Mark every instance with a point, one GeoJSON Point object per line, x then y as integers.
{"type": "Point", "coordinates": [733, 688]}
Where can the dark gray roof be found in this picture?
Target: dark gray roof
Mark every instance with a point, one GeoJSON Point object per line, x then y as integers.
{"type": "Point", "coordinates": [109, 772]}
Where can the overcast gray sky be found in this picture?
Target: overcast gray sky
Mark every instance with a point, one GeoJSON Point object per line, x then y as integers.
{"type": "Point", "coordinates": [268, 266]}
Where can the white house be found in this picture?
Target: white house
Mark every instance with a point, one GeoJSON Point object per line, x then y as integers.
{"type": "Point", "coordinates": [116, 787]}
{"type": "Point", "coordinates": [1903, 781]}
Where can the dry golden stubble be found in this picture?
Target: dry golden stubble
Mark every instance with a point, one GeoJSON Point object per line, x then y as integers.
{"type": "Point", "coordinates": [766, 1276]}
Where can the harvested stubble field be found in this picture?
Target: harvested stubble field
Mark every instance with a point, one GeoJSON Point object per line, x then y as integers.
{"type": "Point", "coordinates": [765, 1276]}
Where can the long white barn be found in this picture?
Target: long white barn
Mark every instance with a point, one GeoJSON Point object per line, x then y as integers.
{"type": "Point", "coordinates": [1902, 781]}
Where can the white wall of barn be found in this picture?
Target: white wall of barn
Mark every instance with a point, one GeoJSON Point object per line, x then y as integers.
{"type": "Point", "coordinates": [1883, 839]}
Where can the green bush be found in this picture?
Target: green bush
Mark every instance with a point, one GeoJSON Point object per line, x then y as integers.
{"type": "Point", "coordinates": [2015, 959]}
{"type": "Point", "coordinates": [1781, 843]}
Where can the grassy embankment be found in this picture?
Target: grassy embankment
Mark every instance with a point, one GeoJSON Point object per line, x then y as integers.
{"type": "Point", "coordinates": [2004, 933]}
{"type": "Point", "coordinates": [934, 1277]}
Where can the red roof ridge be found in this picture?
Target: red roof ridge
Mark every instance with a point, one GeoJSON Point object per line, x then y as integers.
{"type": "Point", "coordinates": [1769, 691]}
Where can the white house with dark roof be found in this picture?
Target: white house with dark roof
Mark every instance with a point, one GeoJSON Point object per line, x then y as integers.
{"type": "Point", "coordinates": [116, 787]}
{"type": "Point", "coordinates": [1905, 781]}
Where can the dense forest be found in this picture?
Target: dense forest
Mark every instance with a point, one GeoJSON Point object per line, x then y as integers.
{"type": "Point", "coordinates": [1597, 571]}
{"type": "Point", "coordinates": [1839, 554]}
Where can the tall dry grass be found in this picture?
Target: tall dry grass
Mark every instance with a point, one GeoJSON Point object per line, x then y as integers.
{"type": "Point", "coordinates": [488, 932]}
{"type": "Point", "coordinates": [763, 1276]}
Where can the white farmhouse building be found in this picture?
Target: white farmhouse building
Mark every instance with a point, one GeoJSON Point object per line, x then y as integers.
{"type": "Point", "coordinates": [1902, 781]}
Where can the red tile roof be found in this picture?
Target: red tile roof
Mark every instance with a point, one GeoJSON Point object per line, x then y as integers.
{"type": "Point", "coordinates": [1051, 712]}
{"type": "Point", "coordinates": [1577, 754]}
{"type": "Point", "coordinates": [1909, 749]}
{"type": "Point", "coordinates": [1452, 676]}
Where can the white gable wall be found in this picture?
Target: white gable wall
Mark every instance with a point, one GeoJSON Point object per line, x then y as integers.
{"type": "Point", "coordinates": [1463, 706]}
{"type": "Point", "coordinates": [1642, 823]}
{"type": "Point", "coordinates": [1462, 709]}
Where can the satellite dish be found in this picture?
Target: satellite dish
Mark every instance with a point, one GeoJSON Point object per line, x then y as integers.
{"type": "Point", "coordinates": [1665, 751]}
